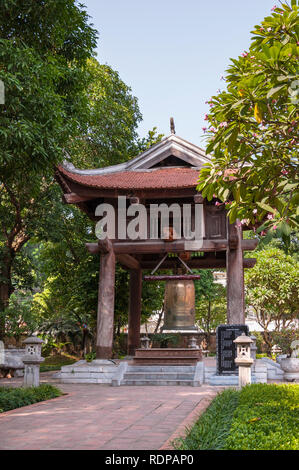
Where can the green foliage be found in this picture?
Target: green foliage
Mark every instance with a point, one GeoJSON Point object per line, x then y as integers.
{"type": "Point", "coordinates": [57, 96]}
{"type": "Point", "coordinates": [212, 429]}
{"type": "Point", "coordinates": [90, 356]}
{"type": "Point", "coordinates": [259, 341]}
{"type": "Point", "coordinates": [43, 50]}
{"type": "Point", "coordinates": [210, 302]}
{"type": "Point", "coordinates": [277, 239]}
{"type": "Point", "coordinates": [165, 340]}
{"type": "Point", "coordinates": [58, 28]}
{"type": "Point", "coordinates": [258, 417]}
{"type": "Point", "coordinates": [18, 316]}
{"type": "Point", "coordinates": [11, 398]}
{"type": "Point", "coordinates": [53, 363]}
{"type": "Point", "coordinates": [107, 132]}
{"type": "Point", "coordinates": [253, 133]}
{"type": "Point", "coordinates": [267, 418]}
{"type": "Point", "coordinates": [272, 290]}
{"type": "Point", "coordinates": [284, 339]}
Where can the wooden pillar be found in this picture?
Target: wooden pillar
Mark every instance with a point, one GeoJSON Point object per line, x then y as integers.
{"type": "Point", "coordinates": [235, 276]}
{"type": "Point", "coordinates": [134, 311]}
{"type": "Point", "coordinates": [105, 319]}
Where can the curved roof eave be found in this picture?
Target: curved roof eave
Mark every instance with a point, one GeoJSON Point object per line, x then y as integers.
{"type": "Point", "coordinates": [143, 161]}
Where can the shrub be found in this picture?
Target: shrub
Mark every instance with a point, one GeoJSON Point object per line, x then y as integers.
{"type": "Point", "coordinates": [212, 428]}
{"type": "Point", "coordinates": [260, 343]}
{"type": "Point", "coordinates": [258, 417]}
{"type": "Point", "coordinates": [11, 398]}
{"type": "Point", "coordinates": [267, 418]}
{"type": "Point", "coordinates": [284, 339]}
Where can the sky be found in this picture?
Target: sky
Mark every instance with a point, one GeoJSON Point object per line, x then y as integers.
{"type": "Point", "coordinates": [173, 53]}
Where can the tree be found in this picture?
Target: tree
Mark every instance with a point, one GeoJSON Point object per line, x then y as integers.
{"type": "Point", "coordinates": [253, 129]}
{"type": "Point", "coordinates": [210, 303]}
{"type": "Point", "coordinates": [272, 291]}
{"type": "Point", "coordinates": [108, 134]}
{"type": "Point", "coordinates": [43, 49]}
{"type": "Point", "coordinates": [57, 97]}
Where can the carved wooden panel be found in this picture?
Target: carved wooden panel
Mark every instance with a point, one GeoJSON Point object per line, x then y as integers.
{"type": "Point", "coordinates": [215, 222]}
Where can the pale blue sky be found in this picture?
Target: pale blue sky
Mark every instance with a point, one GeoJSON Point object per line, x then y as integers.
{"type": "Point", "coordinates": [173, 53]}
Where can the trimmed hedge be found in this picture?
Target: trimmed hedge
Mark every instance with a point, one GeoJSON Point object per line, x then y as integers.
{"type": "Point", "coordinates": [211, 430]}
{"type": "Point", "coordinates": [53, 363]}
{"type": "Point", "coordinates": [267, 418]}
{"type": "Point", "coordinates": [258, 417]}
{"type": "Point", "coordinates": [11, 398]}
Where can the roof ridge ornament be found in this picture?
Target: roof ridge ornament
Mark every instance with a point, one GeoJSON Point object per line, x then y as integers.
{"type": "Point", "coordinates": [172, 127]}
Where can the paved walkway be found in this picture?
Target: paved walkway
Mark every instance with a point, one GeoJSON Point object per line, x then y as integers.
{"type": "Point", "coordinates": [103, 417]}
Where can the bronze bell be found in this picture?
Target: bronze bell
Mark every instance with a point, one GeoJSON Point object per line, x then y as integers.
{"type": "Point", "coordinates": [179, 305]}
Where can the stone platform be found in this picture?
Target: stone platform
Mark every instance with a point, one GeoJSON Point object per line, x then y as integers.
{"type": "Point", "coordinates": [150, 369]}
{"type": "Point", "coordinates": [167, 356]}
{"type": "Point", "coordinates": [98, 371]}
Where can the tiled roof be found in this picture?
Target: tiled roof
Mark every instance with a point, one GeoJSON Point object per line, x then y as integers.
{"type": "Point", "coordinates": [158, 178]}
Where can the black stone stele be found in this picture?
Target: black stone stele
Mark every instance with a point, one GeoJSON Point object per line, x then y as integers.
{"type": "Point", "coordinates": [226, 350]}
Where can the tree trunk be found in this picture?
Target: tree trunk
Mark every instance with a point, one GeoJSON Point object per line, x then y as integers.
{"type": "Point", "coordinates": [6, 290]}
{"type": "Point", "coordinates": [268, 341]}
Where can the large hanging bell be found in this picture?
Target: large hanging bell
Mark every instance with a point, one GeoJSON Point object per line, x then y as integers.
{"type": "Point", "coordinates": [179, 305]}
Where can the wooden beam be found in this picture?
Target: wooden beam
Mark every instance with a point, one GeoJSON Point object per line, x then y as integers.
{"type": "Point", "coordinates": [246, 245]}
{"type": "Point", "coordinates": [134, 311]}
{"type": "Point", "coordinates": [178, 277]}
{"type": "Point", "coordinates": [196, 263]}
{"type": "Point", "coordinates": [103, 246]}
{"type": "Point", "coordinates": [128, 261]}
{"type": "Point", "coordinates": [105, 320]}
{"type": "Point", "coordinates": [160, 246]}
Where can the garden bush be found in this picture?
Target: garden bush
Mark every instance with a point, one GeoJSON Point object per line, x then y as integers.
{"type": "Point", "coordinates": [267, 418]}
{"type": "Point", "coordinates": [212, 428]}
{"type": "Point", "coordinates": [53, 363]}
{"type": "Point", "coordinates": [258, 417]}
{"type": "Point", "coordinates": [11, 398]}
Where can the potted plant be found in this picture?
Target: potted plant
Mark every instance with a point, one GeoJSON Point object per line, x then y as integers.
{"type": "Point", "coordinates": [288, 340]}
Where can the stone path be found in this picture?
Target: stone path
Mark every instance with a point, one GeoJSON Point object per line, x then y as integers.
{"type": "Point", "coordinates": [103, 417]}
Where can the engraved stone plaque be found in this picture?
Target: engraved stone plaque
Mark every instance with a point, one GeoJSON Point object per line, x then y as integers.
{"type": "Point", "coordinates": [226, 349]}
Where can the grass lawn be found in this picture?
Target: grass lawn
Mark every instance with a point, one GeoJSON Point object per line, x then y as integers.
{"type": "Point", "coordinates": [56, 362]}
{"type": "Point", "coordinates": [11, 398]}
{"type": "Point", "coordinates": [258, 417]}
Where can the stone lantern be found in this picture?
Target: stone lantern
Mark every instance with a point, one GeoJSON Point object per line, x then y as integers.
{"type": "Point", "coordinates": [145, 342]}
{"type": "Point", "coordinates": [32, 360]}
{"type": "Point", "coordinates": [193, 343]}
{"type": "Point", "coordinates": [244, 359]}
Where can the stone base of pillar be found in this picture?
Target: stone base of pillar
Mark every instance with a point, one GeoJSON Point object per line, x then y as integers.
{"type": "Point", "coordinates": [103, 352]}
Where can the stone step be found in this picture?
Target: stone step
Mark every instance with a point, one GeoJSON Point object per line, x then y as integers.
{"type": "Point", "coordinates": [158, 376]}
{"type": "Point", "coordinates": [86, 374]}
{"type": "Point", "coordinates": [172, 361]}
{"type": "Point", "coordinates": [158, 382]}
{"type": "Point", "coordinates": [150, 369]}
{"type": "Point", "coordinates": [85, 380]}
{"type": "Point", "coordinates": [226, 380]}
